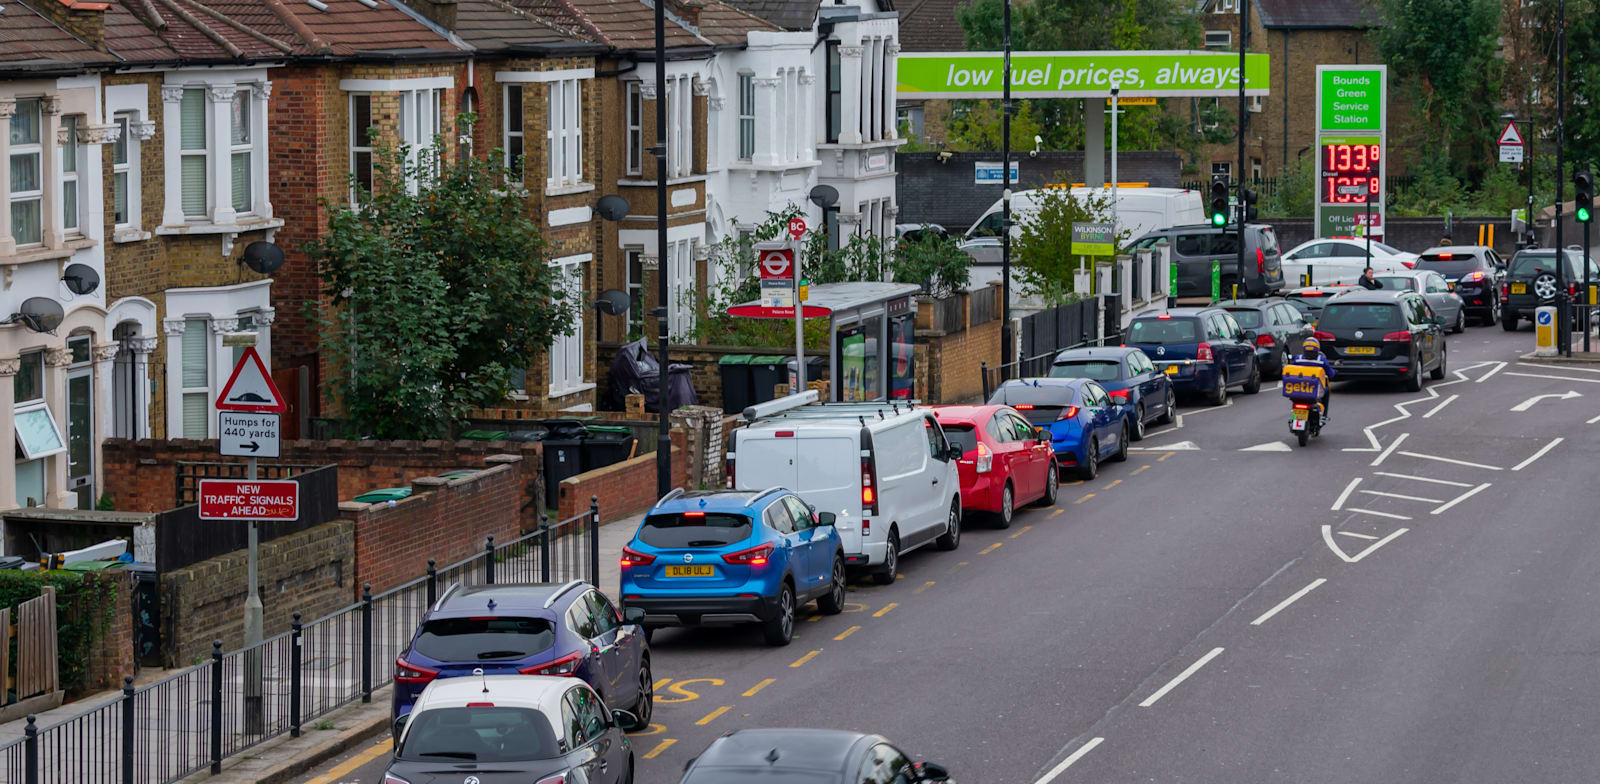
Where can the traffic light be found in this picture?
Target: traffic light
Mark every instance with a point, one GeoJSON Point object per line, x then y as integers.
{"type": "Point", "coordinates": [1249, 205]}
{"type": "Point", "coordinates": [1583, 183]}
{"type": "Point", "coordinates": [1219, 203]}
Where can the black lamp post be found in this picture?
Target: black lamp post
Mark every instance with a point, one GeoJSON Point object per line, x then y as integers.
{"type": "Point", "coordinates": [663, 436]}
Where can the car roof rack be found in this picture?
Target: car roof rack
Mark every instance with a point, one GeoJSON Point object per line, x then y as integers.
{"type": "Point", "coordinates": [443, 596]}
{"type": "Point", "coordinates": [762, 494]}
{"type": "Point", "coordinates": [548, 603]}
{"type": "Point", "coordinates": [671, 494]}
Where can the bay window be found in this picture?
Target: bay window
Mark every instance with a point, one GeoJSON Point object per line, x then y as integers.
{"type": "Point", "coordinates": [69, 152]}
{"type": "Point", "coordinates": [564, 133]}
{"type": "Point", "coordinates": [195, 373]}
{"type": "Point", "coordinates": [241, 152]}
{"type": "Point", "coordinates": [27, 176]}
{"type": "Point", "coordinates": [747, 116]}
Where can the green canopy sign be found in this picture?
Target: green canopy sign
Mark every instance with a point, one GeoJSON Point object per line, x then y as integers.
{"type": "Point", "coordinates": [1079, 74]}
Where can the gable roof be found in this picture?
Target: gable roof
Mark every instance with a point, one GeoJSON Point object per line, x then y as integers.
{"type": "Point", "coordinates": [931, 26]}
{"type": "Point", "coordinates": [1316, 14]}
{"type": "Point", "coordinates": [29, 41]}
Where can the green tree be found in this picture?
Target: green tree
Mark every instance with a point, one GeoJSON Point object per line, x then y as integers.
{"type": "Point", "coordinates": [1043, 257]}
{"type": "Point", "coordinates": [1297, 187]}
{"type": "Point", "coordinates": [436, 291]}
{"type": "Point", "coordinates": [1583, 81]}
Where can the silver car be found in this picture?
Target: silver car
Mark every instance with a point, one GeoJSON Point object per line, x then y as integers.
{"type": "Point", "coordinates": [1432, 286]}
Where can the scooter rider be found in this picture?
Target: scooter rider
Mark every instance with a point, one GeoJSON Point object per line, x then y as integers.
{"type": "Point", "coordinates": [1311, 356]}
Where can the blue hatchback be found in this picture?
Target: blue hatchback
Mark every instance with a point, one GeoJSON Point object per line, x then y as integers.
{"type": "Point", "coordinates": [1086, 425]}
{"type": "Point", "coordinates": [1201, 350]}
{"type": "Point", "coordinates": [545, 629]}
{"type": "Point", "coordinates": [1128, 377]}
{"type": "Point", "coordinates": [716, 557]}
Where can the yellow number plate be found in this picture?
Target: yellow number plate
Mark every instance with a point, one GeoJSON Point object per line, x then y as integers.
{"type": "Point", "coordinates": [1360, 350]}
{"type": "Point", "coordinates": [689, 571]}
{"type": "Point", "coordinates": [1301, 413]}
{"type": "Point", "coordinates": [1171, 370]}
{"type": "Point", "coordinates": [1519, 288]}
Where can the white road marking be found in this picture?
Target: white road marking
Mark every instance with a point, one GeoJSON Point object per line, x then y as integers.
{"type": "Point", "coordinates": [1181, 446]}
{"type": "Point", "coordinates": [1435, 409]}
{"type": "Point", "coordinates": [1270, 446]}
{"type": "Point", "coordinates": [1288, 601]}
{"type": "Point", "coordinates": [1433, 394]}
{"type": "Point", "coordinates": [1592, 421]}
{"type": "Point", "coordinates": [1558, 378]}
{"type": "Point", "coordinates": [1368, 537]}
{"type": "Point", "coordinates": [1380, 514]}
{"type": "Point", "coordinates": [1327, 536]}
{"type": "Point", "coordinates": [1182, 676]}
{"type": "Point", "coordinates": [1464, 496]}
{"type": "Point", "coordinates": [1071, 758]}
{"type": "Point", "coordinates": [1558, 367]}
{"type": "Point", "coordinates": [1404, 497]}
{"type": "Point", "coordinates": [1533, 401]}
{"type": "Point", "coordinates": [1539, 454]}
{"type": "Point", "coordinates": [1212, 408]}
{"type": "Point", "coordinates": [1390, 450]}
{"type": "Point", "coordinates": [1424, 479]}
{"type": "Point", "coordinates": [1346, 494]}
{"type": "Point", "coordinates": [1451, 460]}
{"type": "Point", "coordinates": [1498, 366]}
{"type": "Point", "coordinates": [1160, 433]}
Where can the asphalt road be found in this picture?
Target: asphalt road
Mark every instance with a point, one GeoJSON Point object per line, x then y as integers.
{"type": "Point", "coordinates": [1408, 599]}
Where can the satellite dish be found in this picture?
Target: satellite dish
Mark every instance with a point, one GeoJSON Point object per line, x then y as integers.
{"type": "Point", "coordinates": [40, 314]}
{"type": "Point", "coordinates": [824, 196]}
{"type": "Point", "coordinates": [263, 257]}
{"type": "Point", "coordinates": [612, 302]}
{"type": "Point", "coordinates": [81, 279]}
{"type": "Point", "coordinates": [612, 207]}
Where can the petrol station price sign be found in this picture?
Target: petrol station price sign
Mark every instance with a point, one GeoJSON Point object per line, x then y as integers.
{"type": "Point", "coordinates": [1352, 118]}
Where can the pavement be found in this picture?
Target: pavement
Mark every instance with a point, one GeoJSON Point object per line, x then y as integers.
{"type": "Point", "coordinates": [1408, 599]}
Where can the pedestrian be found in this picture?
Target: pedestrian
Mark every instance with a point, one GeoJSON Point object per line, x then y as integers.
{"type": "Point", "coordinates": [1368, 281]}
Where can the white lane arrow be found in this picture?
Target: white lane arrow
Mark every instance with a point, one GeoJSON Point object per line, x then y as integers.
{"type": "Point", "coordinates": [1530, 402]}
{"type": "Point", "coordinates": [1270, 446]}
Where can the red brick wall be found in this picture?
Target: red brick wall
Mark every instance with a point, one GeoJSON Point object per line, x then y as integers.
{"type": "Point", "coordinates": [624, 488]}
{"type": "Point", "coordinates": [445, 520]}
{"type": "Point", "coordinates": [111, 652]}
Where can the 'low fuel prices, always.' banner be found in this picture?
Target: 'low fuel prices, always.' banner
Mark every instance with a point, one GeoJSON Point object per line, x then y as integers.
{"type": "Point", "coordinates": [1079, 74]}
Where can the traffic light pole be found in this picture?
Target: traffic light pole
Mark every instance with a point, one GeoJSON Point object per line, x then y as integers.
{"type": "Point", "coordinates": [1244, 31]}
{"type": "Point", "coordinates": [1588, 306]}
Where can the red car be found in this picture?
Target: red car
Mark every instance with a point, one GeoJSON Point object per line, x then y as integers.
{"type": "Point", "coordinates": [1004, 462]}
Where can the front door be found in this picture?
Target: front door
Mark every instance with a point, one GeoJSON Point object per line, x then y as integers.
{"type": "Point", "coordinates": [80, 424]}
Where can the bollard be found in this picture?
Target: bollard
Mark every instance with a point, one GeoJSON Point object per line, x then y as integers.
{"type": "Point", "coordinates": [30, 751]}
{"type": "Point", "coordinates": [216, 707]}
{"type": "Point", "coordinates": [127, 729]}
{"type": "Point", "coordinates": [295, 683]}
{"type": "Point", "coordinates": [488, 561]}
{"type": "Point", "coordinates": [433, 584]}
{"type": "Point", "coordinates": [544, 551]}
{"type": "Point", "coordinates": [594, 540]}
{"type": "Point", "coordinates": [366, 642]}
{"type": "Point", "coordinates": [983, 377]}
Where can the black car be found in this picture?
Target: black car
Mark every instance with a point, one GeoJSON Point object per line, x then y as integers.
{"type": "Point", "coordinates": [802, 756]}
{"type": "Point", "coordinates": [1531, 281]}
{"type": "Point", "coordinates": [1471, 271]}
{"type": "Point", "coordinates": [1384, 335]}
{"type": "Point", "coordinates": [1201, 350]}
{"type": "Point", "coordinates": [1279, 326]}
{"type": "Point", "coordinates": [1195, 247]}
{"type": "Point", "coordinates": [1310, 299]}
{"type": "Point", "coordinates": [1128, 376]}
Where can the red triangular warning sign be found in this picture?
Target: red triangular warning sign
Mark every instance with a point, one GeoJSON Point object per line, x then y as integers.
{"type": "Point", "coordinates": [250, 388]}
{"type": "Point", "coordinates": [1510, 135]}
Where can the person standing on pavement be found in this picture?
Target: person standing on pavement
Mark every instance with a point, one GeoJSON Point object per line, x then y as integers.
{"type": "Point", "coordinates": [1369, 281]}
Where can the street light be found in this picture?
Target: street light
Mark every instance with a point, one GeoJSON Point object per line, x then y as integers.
{"type": "Point", "coordinates": [1527, 141]}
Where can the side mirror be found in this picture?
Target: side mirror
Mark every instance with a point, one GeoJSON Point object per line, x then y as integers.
{"type": "Point", "coordinates": [399, 729]}
{"type": "Point", "coordinates": [929, 771]}
{"type": "Point", "coordinates": [1438, 320]}
{"type": "Point", "coordinates": [624, 718]}
{"type": "Point", "coordinates": [1249, 336]}
{"type": "Point", "coordinates": [826, 518]}
{"type": "Point", "coordinates": [955, 453]}
{"type": "Point", "coordinates": [634, 615]}
{"type": "Point", "coordinates": [1041, 434]}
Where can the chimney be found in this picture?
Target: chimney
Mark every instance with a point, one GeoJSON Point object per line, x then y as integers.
{"type": "Point", "coordinates": [687, 10]}
{"type": "Point", "coordinates": [82, 18]}
{"type": "Point", "coordinates": [440, 12]}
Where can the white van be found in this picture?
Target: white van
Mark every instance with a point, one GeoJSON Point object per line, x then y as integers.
{"type": "Point", "coordinates": [886, 471]}
{"type": "Point", "coordinates": [1139, 211]}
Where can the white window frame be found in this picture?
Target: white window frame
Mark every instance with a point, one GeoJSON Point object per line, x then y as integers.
{"type": "Point", "coordinates": [124, 170]}
{"type": "Point", "coordinates": [36, 150]}
{"type": "Point", "coordinates": [243, 97]}
{"type": "Point", "coordinates": [563, 135]}
{"type": "Point", "coordinates": [420, 124]}
{"type": "Point", "coordinates": [681, 276]}
{"type": "Point", "coordinates": [1219, 39]}
{"type": "Point", "coordinates": [635, 127]}
{"type": "Point", "coordinates": [747, 116]}
{"type": "Point", "coordinates": [359, 144]}
{"type": "Point", "coordinates": [70, 154]}
{"type": "Point", "coordinates": [203, 153]}
{"type": "Point", "coordinates": [632, 257]}
{"type": "Point", "coordinates": [566, 350]}
{"type": "Point", "coordinates": [515, 171]}
{"type": "Point", "coordinates": [202, 327]}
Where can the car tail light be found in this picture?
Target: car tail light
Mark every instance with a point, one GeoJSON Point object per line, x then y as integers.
{"type": "Point", "coordinates": [564, 666]}
{"type": "Point", "coordinates": [869, 490]}
{"type": "Point", "coordinates": [1261, 262]}
{"type": "Point", "coordinates": [632, 557]}
{"type": "Point", "coordinates": [1023, 406]}
{"type": "Point", "coordinates": [1071, 412]}
{"type": "Point", "coordinates": [729, 466]}
{"type": "Point", "coordinates": [1445, 256]}
{"type": "Point", "coordinates": [559, 778]}
{"type": "Point", "coordinates": [1302, 406]}
{"type": "Point", "coordinates": [985, 459]}
{"type": "Point", "coordinates": [1266, 341]}
{"type": "Point", "coordinates": [1409, 264]}
{"type": "Point", "coordinates": [1321, 336]}
{"type": "Point", "coordinates": [406, 672]}
{"type": "Point", "coordinates": [1203, 353]}
{"type": "Point", "coordinates": [1572, 289]}
{"type": "Point", "coordinates": [1120, 395]}
{"type": "Point", "coordinates": [480, 705]}
{"type": "Point", "coordinates": [755, 556]}
{"type": "Point", "coordinates": [1397, 337]}
{"type": "Point", "coordinates": [390, 778]}
{"type": "Point", "coordinates": [1164, 316]}
{"type": "Point", "coordinates": [1474, 276]}
{"type": "Point", "coordinates": [1505, 289]}
{"type": "Point", "coordinates": [783, 434]}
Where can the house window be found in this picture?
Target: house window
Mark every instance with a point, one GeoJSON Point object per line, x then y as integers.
{"type": "Point", "coordinates": [830, 225]}
{"type": "Point", "coordinates": [119, 171]}
{"type": "Point", "coordinates": [513, 130]}
{"type": "Point", "coordinates": [635, 129]}
{"type": "Point", "coordinates": [680, 128]}
{"type": "Point", "coordinates": [1223, 170]}
{"type": "Point", "coordinates": [69, 153]}
{"type": "Point", "coordinates": [35, 429]}
{"type": "Point", "coordinates": [747, 116]}
{"type": "Point", "coordinates": [835, 94]}
{"type": "Point", "coordinates": [192, 149]}
{"type": "Point", "coordinates": [1219, 39]}
{"type": "Point", "coordinates": [1227, 7]}
{"type": "Point", "coordinates": [419, 125]}
{"type": "Point", "coordinates": [27, 177]}
{"type": "Point", "coordinates": [563, 136]}
{"type": "Point", "coordinates": [680, 288]}
{"type": "Point", "coordinates": [360, 146]}
{"type": "Point", "coordinates": [240, 151]}
{"type": "Point", "coordinates": [566, 351]}
{"type": "Point", "coordinates": [635, 292]}
{"type": "Point", "coordinates": [27, 386]}
{"type": "Point", "coordinates": [196, 377]}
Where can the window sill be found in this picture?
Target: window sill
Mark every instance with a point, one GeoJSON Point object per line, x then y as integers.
{"type": "Point", "coordinates": [693, 178]}
{"type": "Point", "coordinates": [256, 224]}
{"type": "Point", "coordinates": [876, 145]}
{"type": "Point", "coordinates": [68, 247]}
{"type": "Point", "coordinates": [519, 396]}
{"type": "Point", "coordinates": [129, 234]}
{"type": "Point", "coordinates": [567, 190]}
{"type": "Point", "coordinates": [772, 167]}
{"type": "Point", "coordinates": [584, 387]}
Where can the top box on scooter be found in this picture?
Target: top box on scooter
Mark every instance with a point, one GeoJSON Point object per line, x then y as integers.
{"type": "Point", "coordinates": [1301, 382]}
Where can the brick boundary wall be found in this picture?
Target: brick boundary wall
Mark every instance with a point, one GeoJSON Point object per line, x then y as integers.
{"type": "Point", "coordinates": [624, 488]}
{"type": "Point", "coordinates": [111, 653]}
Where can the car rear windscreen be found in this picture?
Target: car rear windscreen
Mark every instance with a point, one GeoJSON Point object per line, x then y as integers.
{"type": "Point", "coordinates": [484, 639]}
{"type": "Point", "coordinates": [1160, 331]}
{"type": "Point", "coordinates": [1249, 318]}
{"type": "Point", "coordinates": [694, 529]}
{"type": "Point", "coordinates": [1351, 315]}
{"type": "Point", "coordinates": [1207, 245]}
{"type": "Point", "coordinates": [1097, 369]}
{"type": "Point", "coordinates": [1397, 283]}
{"type": "Point", "coordinates": [478, 734]}
{"type": "Point", "coordinates": [1040, 414]}
{"type": "Point", "coordinates": [1453, 267]}
{"type": "Point", "coordinates": [961, 435]}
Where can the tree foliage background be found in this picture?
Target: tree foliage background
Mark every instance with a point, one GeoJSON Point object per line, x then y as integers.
{"type": "Point", "coordinates": [1042, 255]}
{"type": "Point", "coordinates": [435, 292]}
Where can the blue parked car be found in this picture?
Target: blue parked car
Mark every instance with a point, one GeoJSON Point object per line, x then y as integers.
{"type": "Point", "coordinates": [1128, 376]}
{"type": "Point", "coordinates": [715, 557]}
{"type": "Point", "coordinates": [545, 629]}
{"type": "Point", "coordinates": [1086, 425]}
{"type": "Point", "coordinates": [1201, 350]}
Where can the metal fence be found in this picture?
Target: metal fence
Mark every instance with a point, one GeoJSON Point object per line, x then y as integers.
{"type": "Point", "coordinates": [196, 718]}
{"type": "Point", "coordinates": [1044, 334]}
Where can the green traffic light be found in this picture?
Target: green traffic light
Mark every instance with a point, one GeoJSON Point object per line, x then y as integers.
{"type": "Point", "coordinates": [1584, 215]}
{"type": "Point", "coordinates": [1218, 219]}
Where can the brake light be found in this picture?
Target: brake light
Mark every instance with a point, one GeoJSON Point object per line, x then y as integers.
{"type": "Point", "coordinates": [1120, 394]}
{"type": "Point", "coordinates": [632, 557]}
{"type": "Point", "coordinates": [1572, 289]}
{"type": "Point", "coordinates": [985, 459]}
{"type": "Point", "coordinates": [755, 556]}
{"type": "Point", "coordinates": [564, 666]}
{"type": "Point", "coordinates": [480, 705]}
{"type": "Point", "coordinates": [1070, 412]}
{"type": "Point", "coordinates": [1505, 289]}
{"type": "Point", "coordinates": [390, 778]}
{"type": "Point", "coordinates": [406, 672]}
{"type": "Point", "coordinates": [1203, 354]}
{"type": "Point", "coordinates": [1302, 406]}
{"type": "Point", "coordinates": [1321, 336]}
{"type": "Point", "coordinates": [729, 462]}
{"type": "Point", "coordinates": [694, 514]}
{"type": "Point", "coordinates": [1265, 340]}
{"type": "Point", "coordinates": [1474, 276]}
{"type": "Point", "coordinates": [1397, 337]}
{"type": "Point", "coordinates": [1445, 256]}
{"type": "Point", "coordinates": [869, 493]}
{"type": "Point", "coordinates": [1023, 406]}
{"type": "Point", "coordinates": [1261, 262]}
{"type": "Point", "coordinates": [1164, 316]}
{"type": "Point", "coordinates": [1409, 264]}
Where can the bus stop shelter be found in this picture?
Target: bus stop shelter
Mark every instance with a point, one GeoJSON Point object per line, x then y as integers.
{"type": "Point", "coordinates": [871, 336]}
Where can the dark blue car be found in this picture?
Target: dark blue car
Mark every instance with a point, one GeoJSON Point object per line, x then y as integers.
{"type": "Point", "coordinates": [546, 629]}
{"type": "Point", "coordinates": [1128, 376]}
{"type": "Point", "coordinates": [1201, 350]}
{"type": "Point", "coordinates": [1085, 425]}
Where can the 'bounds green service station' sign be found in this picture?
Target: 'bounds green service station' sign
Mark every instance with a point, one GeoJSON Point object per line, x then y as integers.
{"type": "Point", "coordinates": [1079, 74]}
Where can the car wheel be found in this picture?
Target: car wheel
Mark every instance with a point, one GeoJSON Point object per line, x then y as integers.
{"type": "Point", "coordinates": [1438, 372]}
{"type": "Point", "coordinates": [1122, 446]}
{"type": "Point", "coordinates": [1052, 485]}
{"type": "Point", "coordinates": [780, 630]}
{"type": "Point", "coordinates": [952, 529]}
{"type": "Point", "coordinates": [1253, 386]}
{"type": "Point", "coordinates": [1494, 311]}
{"type": "Point", "coordinates": [1508, 322]}
{"type": "Point", "coordinates": [1414, 378]}
{"type": "Point", "coordinates": [1002, 519]}
{"type": "Point", "coordinates": [1168, 413]}
{"type": "Point", "coordinates": [1091, 460]}
{"type": "Point", "coordinates": [646, 705]}
{"type": "Point", "coordinates": [1219, 394]}
{"type": "Point", "coordinates": [1138, 422]}
{"type": "Point", "coordinates": [832, 602]}
{"type": "Point", "coordinates": [1461, 321]}
{"type": "Point", "coordinates": [887, 573]}
{"type": "Point", "coordinates": [627, 778]}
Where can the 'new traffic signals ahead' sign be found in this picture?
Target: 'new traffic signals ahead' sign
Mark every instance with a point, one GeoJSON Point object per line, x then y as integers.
{"type": "Point", "coordinates": [249, 499]}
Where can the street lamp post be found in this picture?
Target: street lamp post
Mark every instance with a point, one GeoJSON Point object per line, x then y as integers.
{"type": "Point", "coordinates": [1527, 143]}
{"type": "Point", "coordinates": [1244, 43]}
{"type": "Point", "coordinates": [1005, 198]}
{"type": "Point", "coordinates": [1563, 301]}
{"type": "Point", "coordinates": [663, 436]}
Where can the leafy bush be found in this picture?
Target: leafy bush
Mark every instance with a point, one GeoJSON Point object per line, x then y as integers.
{"type": "Point", "coordinates": [83, 614]}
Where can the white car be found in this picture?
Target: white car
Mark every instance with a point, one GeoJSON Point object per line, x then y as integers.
{"type": "Point", "coordinates": [1341, 260]}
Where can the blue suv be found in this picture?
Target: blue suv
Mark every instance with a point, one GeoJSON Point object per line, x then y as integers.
{"type": "Point", "coordinates": [716, 557]}
{"type": "Point", "coordinates": [544, 629]}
